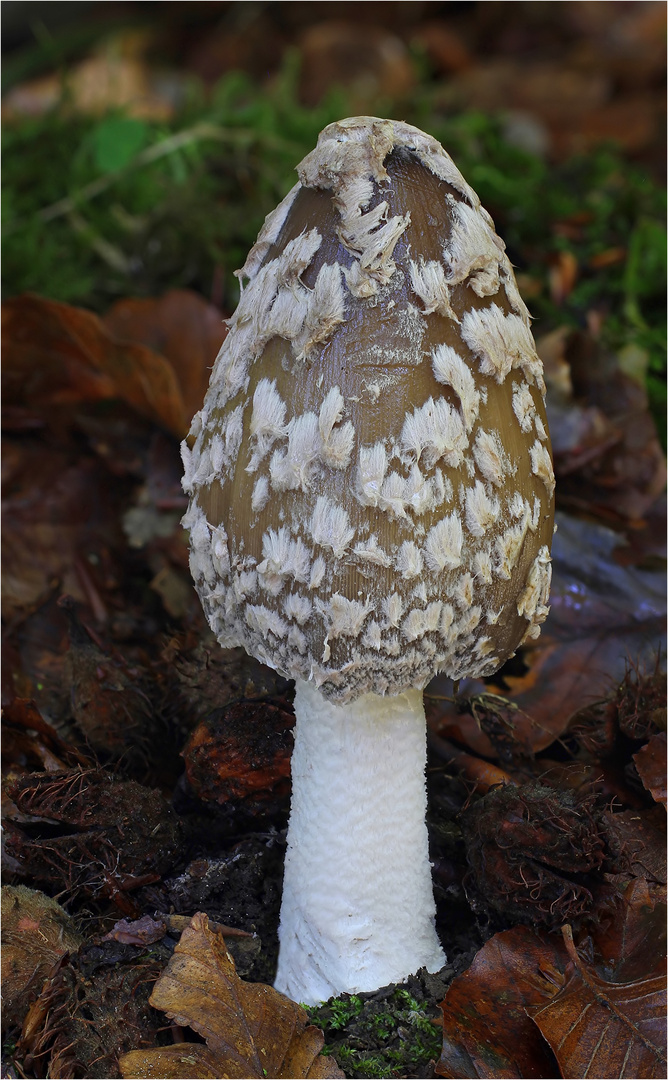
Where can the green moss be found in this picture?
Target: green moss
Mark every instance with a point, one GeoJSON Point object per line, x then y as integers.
{"type": "Point", "coordinates": [372, 1036]}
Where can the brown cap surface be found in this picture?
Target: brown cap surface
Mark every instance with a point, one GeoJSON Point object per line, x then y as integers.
{"type": "Point", "coordinates": [370, 477]}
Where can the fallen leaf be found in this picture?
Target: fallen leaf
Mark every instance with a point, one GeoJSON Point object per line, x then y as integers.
{"type": "Point", "coordinates": [180, 326]}
{"type": "Point", "coordinates": [651, 766]}
{"type": "Point", "coordinates": [637, 842]}
{"type": "Point", "coordinates": [600, 614]}
{"type": "Point", "coordinates": [632, 942]}
{"type": "Point", "coordinates": [142, 931]}
{"type": "Point", "coordinates": [486, 1029]}
{"type": "Point", "coordinates": [55, 354]}
{"type": "Point", "coordinates": [251, 1030]}
{"type": "Point", "coordinates": [600, 1028]}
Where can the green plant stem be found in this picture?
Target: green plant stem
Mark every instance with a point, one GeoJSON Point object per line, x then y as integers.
{"type": "Point", "coordinates": [199, 133]}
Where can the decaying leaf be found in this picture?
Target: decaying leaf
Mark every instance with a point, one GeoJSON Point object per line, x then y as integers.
{"type": "Point", "coordinates": [56, 354]}
{"type": "Point", "coordinates": [632, 940]}
{"type": "Point", "coordinates": [182, 327]}
{"type": "Point", "coordinates": [486, 1029]}
{"type": "Point", "coordinates": [605, 1029]}
{"type": "Point", "coordinates": [251, 1030]}
{"type": "Point", "coordinates": [651, 766]}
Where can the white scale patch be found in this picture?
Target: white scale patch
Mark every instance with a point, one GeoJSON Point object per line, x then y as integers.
{"type": "Point", "coordinates": [330, 527]}
{"type": "Point", "coordinates": [501, 342]}
{"type": "Point", "coordinates": [508, 547]}
{"type": "Point", "coordinates": [541, 465]}
{"type": "Point", "coordinates": [452, 370]}
{"type": "Point", "coordinates": [284, 557]}
{"type": "Point", "coordinates": [490, 457]}
{"type": "Point", "coordinates": [448, 627]}
{"type": "Point", "coordinates": [373, 637]}
{"type": "Point", "coordinates": [345, 617]}
{"type": "Point", "coordinates": [481, 510]}
{"type": "Point", "coordinates": [461, 590]}
{"type": "Point", "coordinates": [260, 495]}
{"type": "Point", "coordinates": [436, 431]}
{"type": "Point", "coordinates": [524, 406]}
{"type": "Point", "coordinates": [313, 440]}
{"type": "Point", "coordinates": [422, 621]}
{"type": "Point", "coordinates": [393, 609]}
{"type": "Point", "coordinates": [336, 443]}
{"type": "Point", "coordinates": [318, 571]}
{"type": "Point", "coordinates": [533, 601]}
{"type": "Point", "coordinates": [291, 469]}
{"type": "Point", "coordinates": [371, 469]}
{"type": "Point", "coordinates": [482, 566]}
{"type": "Point", "coordinates": [297, 608]}
{"type": "Point", "coordinates": [244, 584]}
{"type": "Point", "coordinates": [429, 282]}
{"type": "Point", "coordinates": [443, 545]}
{"type": "Point", "coordinates": [474, 250]}
{"type": "Point", "coordinates": [371, 552]}
{"type": "Point", "coordinates": [409, 561]}
{"type": "Point", "coordinates": [264, 621]}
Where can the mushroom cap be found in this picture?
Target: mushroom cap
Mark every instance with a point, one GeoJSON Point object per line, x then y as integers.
{"type": "Point", "coordinates": [371, 484]}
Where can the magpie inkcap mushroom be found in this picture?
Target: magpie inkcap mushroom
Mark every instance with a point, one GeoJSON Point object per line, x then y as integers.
{"type": "Point", "coordinates": [371, 503]}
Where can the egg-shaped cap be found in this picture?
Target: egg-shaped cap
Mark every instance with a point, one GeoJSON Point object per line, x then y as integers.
{"type": "Point", "coordinates": [370, 476]}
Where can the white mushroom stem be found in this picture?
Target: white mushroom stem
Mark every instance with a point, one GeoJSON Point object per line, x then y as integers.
{"type": "Point", "coordinates": [358, 906]}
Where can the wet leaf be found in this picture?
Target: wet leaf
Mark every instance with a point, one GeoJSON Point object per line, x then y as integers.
{"type": "Point", "coordinates": [251, 1030]}
{"type": "Point", "coordinates": [651, 766]}
{"type": "Point", "coordinates": [632, 940]}
{"type": "Point", "coordinates": [182, 327]}
{"type": "Point", "coordinates": [58, 516]}
{"type": "Point", "coordinates": [486, 1029]}
{"type": "Point", "coordinates": [56, 354]}
{"type": "Point", "coordinates": [601, 613]}
{"type": "Point", "coordinates": [636, 840]}
{"type": "Point", "coordinates": [142, 931]}
{"type": "Point", "coordinates": [600, 1028]}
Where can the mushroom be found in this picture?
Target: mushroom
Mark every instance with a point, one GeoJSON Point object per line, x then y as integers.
{"type": "Point", "coordinates": [371, 502]}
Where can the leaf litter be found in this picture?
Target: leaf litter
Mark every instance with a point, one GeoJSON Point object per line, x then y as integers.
{"type": "Point", "coordinates": [546, 783]}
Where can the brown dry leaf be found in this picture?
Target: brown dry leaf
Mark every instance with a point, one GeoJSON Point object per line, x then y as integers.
{"type": "Point", "coordinates": [632, 942]}
{"type": "Point", "coordinates": [55, 354]}
{"type": "Point", "coordinates": [250, 1029]}
{"type": "Point", "coordinates": [598, 1028]}
{"type": "Point", "coordinates": [181, 326]}
{"type": "Point", "coordinates": [486, 1029]}
{"type": "Point", "coordinates": [651, 766]}
{"type": "Point", "coordinates": [56, 512]}
{"type": "Point", "coordinates": [636, 840]}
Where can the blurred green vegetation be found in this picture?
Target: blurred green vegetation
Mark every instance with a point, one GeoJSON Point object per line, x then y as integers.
{"type": "Point", "coordinates": [96, 208]}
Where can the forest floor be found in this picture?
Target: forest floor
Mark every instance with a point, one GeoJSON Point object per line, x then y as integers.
{"type": "Point", "coordinates": [146, 772]}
